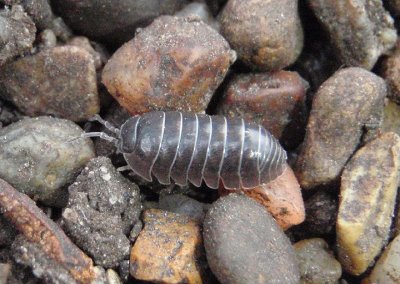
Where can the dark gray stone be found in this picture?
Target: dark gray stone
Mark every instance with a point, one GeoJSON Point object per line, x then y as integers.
{"type": "Point", "coordinates": [245, 245]}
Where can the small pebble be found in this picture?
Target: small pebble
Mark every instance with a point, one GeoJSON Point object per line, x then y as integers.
{"type": "Point", "coordinates": [387, 269]}
{"type": "Point", "coordinates": [17, 33]}
{"type": "Point", "coordinates": [168, 250]}
{"type": "Point", "coordinates": [267, 35]}
{"type": "Point", "coordinates": [39, 156]}
{"type": "Point", "coordinates": [201, 11]}
{"type": "Point", "coordinates": [182, 204]}
{"type": "Point", "coordinates": [282, 198]}
{"type": "Point", "coordinates": [113, 22]}
{"type": "Point", "coordinates": [348, 103]}
{"type": "Point", "coordinates": [391, 117]}
{"type": "Point", "coordinates": [60, 81]}
{"type": "Point", "coordinates": [102, 208]}
{"type": "Point", "coordinates": [245, 245]}
{"type": "Point", "coordinates": [321, 213]}
{"type": "Point", "coordinates": [112, 277]}
{"type": "Point", "coordinates": [40, 12]}
{"type": "Point", "coordinates": [360, 30]}
{"type": "Point", "coordinates": [173, 64]}
{"type": "Point", "coordinates": [273, 100]}
{"type": "Point", "coordinates": [367, 200]}
{"type": "Point", "coordinates": [316, 263]}
{"type": "Point", "coordinates": [84, 43]}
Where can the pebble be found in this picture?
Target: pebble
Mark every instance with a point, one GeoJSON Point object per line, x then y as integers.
{"type": "Point", "coordinates": [40, 12]}
{"type": "Point", "coordinates": [282, 198]}
{"type": "Point", "coordinates": [84, 43]}
{"type": "Point", "coordinates": [60, 81]}
{"type": "Point", "coordinates": [173, 64]}
{"type": "Point", "coordinates": [316, 262]}
{"type": "Point", "coordinates": [321, 212]}
{"type": "Point", "coordinates": [39, 157]}
{"type": "Point", "coordinates": [276, 101]}
{"type": "Point", "coordinates": [387, 269]}
{"type": "Point", "coordinates": [391, 73]}
{"type": "Point", "coordinates": [201, 11]}
{"type": "Point", "coordinates": [113, 22]}
{"type": "Point", "coordinates": [168, 250]}
{"type": "Point", "coordinates": [102, 208]}
{"type": "Point", "coordinates": [245, 245]}
{"type": "Point", "coordinates": [391, 117]}
{"type": "Point", "coordinates": [42, 245]}
{"type": "Point", "coordinates": [267, 35]}
{"type": "Point", "coordinates": [367, 200]}
{"type": "Point", "coordinates": [347, 103]}
{"type": "Point", "coordinates": [360, 30]}
{"type": "Point", "coordinates": [17, 33]}
{"type": "Point", "coordinates": [182, 204]}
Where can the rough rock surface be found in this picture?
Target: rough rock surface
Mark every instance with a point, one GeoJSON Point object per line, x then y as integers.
{"type": "Point", "coordinates": [102, 208]}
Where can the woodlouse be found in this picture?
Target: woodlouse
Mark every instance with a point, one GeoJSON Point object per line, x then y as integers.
{"type": "Point", "coordinates": [197, 147]}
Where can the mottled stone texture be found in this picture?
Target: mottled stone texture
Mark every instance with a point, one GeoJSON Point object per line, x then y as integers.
{"type": "Point", "coordinates": [348, 103]}
{"type": "Point", "coordinates": [360, 30]}
{"type": "Point", "coordinates": [367, 199]}
{"type": "Point", "coordinates": [173, 64]}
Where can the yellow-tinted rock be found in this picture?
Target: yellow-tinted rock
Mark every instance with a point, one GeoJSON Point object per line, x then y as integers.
{"type": "Point", "coordinates": [168, 250]}
{"type": "Point", "coordinates": [387, 269]}
{"type": "Point", "coordinates": [368, 192]}
{"type": "Point", "coordinates": [391, 118]}
{"type": "Point", "coordinates": [282, 198]}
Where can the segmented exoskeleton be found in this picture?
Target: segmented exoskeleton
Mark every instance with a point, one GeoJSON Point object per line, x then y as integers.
{"type": "Point", "coordinates": [195, 147]}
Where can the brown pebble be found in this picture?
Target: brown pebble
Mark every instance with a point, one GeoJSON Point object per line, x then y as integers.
{"type": "Point", "coordinates": [360, 30]}
{"type": "Point", "coordinates": [40, 229]}
{"type": "Point", "coordinates": [347, 103]}
{"type": "Point", "coordinates": [267, 35]}
{"type": "Point", "coordinates": [391, 117]}
{"type": "Point", "coordinates": [59, 81]}
{"type": "Point", "coordinates": [282, 198]}
{"type": "Point", "coordinates": [173, 64]}
{"type": "Point", "coordinates": [273, 100]}
{"type": "Point", "coordinates": [168, 250]}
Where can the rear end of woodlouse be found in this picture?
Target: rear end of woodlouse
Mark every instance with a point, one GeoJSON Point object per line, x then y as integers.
{"type": "Point", "coordinates": [195, 147]}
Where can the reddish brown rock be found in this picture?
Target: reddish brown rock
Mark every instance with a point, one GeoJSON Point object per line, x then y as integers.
{"type": "Point", "coordinates": [59, 81]}
{"type": "Point", "coordinates": [273, 100]}
{"type": "Point", "coordinates": [348, 103]}
{"type": "Point", "coordinates": [168, 250]}
{"type": "Point", "coordinates": [39, 229]}
{"type": "Point", "coordinates": [173, 64]}
{"type": "Point", "coordinates": [267, 35]}
{"type": "Point", "coordinates": [282, 198]}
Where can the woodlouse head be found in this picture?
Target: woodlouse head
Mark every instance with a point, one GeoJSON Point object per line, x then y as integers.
{"type": "Point", "coordinates": [127, 135]}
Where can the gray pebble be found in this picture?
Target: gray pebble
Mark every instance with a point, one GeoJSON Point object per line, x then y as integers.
{"type": "Point", "coordinates": [316, 263]}
{"type": "Point", "coordinates": [102, 208]}
{"type": "Point", "coordinates": [245, 245]}
{"type": "Point", "coordinates": [17, 33]}
{"type": "Point", "coordinates": [38, 156]}
{"type": "Point", "coordinates": [182, 204]}
{"type": "Point", "coordinates": [113, 21]}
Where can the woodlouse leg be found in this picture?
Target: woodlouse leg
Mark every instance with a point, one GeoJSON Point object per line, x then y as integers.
{"type": "Point", "coordinates": [101, 135]}
{"type": "Point", "coordinates": [124, 168]}
{"type": "Point", "coordinates": [106, 124]}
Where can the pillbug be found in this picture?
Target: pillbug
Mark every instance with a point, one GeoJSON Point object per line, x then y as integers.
{"type": "Point", "coordinates": [197, 147]}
